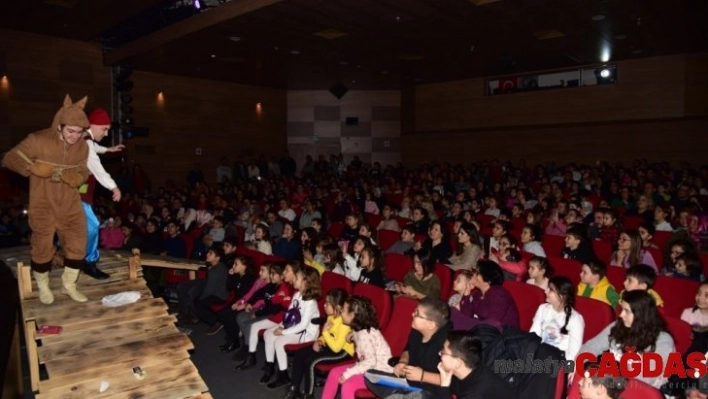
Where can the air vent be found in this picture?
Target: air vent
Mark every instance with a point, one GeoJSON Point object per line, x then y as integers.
{"type": "Point", "coordinates": [330, 34]}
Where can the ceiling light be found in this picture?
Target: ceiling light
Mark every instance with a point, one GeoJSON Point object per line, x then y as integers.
{"type": "Point", "coordinates": [344, 63]}
{"type": "Point", "coordinates": [213, 56]}
{"type": "Point", "coordinates": [598, 17]}
{"type": "Point", "coordinates": [605, 73]}
{"type": "Point", "coordinates": [294, 52]}
{"type": "Point", "coordinates": [330, 34]}
{"type": "Point", "coordinates": [235, 39]}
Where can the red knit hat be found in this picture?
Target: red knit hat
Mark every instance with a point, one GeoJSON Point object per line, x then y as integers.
{"type": "Point", "coordinates": [100, 117]}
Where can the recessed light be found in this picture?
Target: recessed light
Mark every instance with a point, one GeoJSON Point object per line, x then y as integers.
{"type": "Point", "coordinates": [345, 63]}
{"type": "Point", "coordinates": [294, 52]}
{"type": "Point", "coordinates": [620, 37]}
{"type": "Point", "coordinates": [598, 17]}
{"type": "Point", "coordinates": [213, 56]}
{"type": "Point", "coordinates": [353, 81]}
{"type": "Point", "coordinates": [398, 18]}
{"type": "Point", "coordinates": [235, 39]}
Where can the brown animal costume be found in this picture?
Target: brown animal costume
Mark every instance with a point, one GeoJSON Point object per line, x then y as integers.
{"type": "Point", "coordinates": [55, 167]}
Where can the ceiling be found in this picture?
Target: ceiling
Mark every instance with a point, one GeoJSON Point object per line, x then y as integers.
{"type": "Point", "coordinates": [387, 44]}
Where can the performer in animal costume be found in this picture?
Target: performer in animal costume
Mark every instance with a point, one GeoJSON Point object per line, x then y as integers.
{"type": "Point", "coordinates": [55, 159]}
{"type": "Point", "coordinates": [100, 125]}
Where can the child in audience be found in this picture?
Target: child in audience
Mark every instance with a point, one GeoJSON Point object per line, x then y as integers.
{"type": "Point", "coordinates": [577, 246]}
{"type": "Point", "coordinates": [367, 231]}
{"type": "Point", "coordinates": [594, 283]}
{"type": "Point", "coordinates": [463, 289]}
{"type": "Point", "coordinates": [217, 231]}
{"type": "Point", "coordinates": [297, 326]}
{"type": "Point", "coordinates": [388, 219]}
{"type": "Point", "coordinates": [351, 260]}
{"type": "Point", "coordinates": [499, 229]}
{"type": "Point", "coordinates": [370, 206]}
{"type": "Point", "coordinates": [688, 267]}
{"type": "Point", "coordinates": [605, 387]}
{"type": "Point", "coordinates": [530, 237]}
{"type": "Point", "coordinates": [261, 239]}
{"type": "Point", "coordinates": [229, 315]}
{"type": "Point", "coordinates": [332, 259]}
{"type": "Point", "coordinates": [556, 321]}
{"type": "Point", "coordinates": [372, 350]}
{"type": "Point", "coordinates": [195, 296]}
{"type": "Point", "coordinates": [647, 231]}
{"type": "Point", "coordinates": [405, 243]}
{"type": "Point", "coordinates": [492, 207]}
{"type": "Point", "coordinates": [276, 303]}
{"type": "Point", "coordinates": [371, 264]}
{"type": "Point", "coordinates": [463, 373]}
{"type": "Point", "coordinates": [330, 347]}
{"type": "Point", "coordinates": [509, 258]}
{"type": "Point", "coordinates": [673, 250]}
{"type": "Point", "coordinates": [309, 259]}
{"type": "Point", "coordinates": [610, 230]}
{"type": "Point", "coordinates": [351, 228]}
{"type": "Point", "coordinates": [697, 316]}
{"type": "Point", "coordinates": [539, 272]}
{"type": "Point", "coordinates": [661, 214]}
{"type": "Point", "coordinates": [642, 277]}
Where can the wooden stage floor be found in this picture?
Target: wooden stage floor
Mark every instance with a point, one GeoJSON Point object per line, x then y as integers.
{"type": "Point", "coordinates": [100, 344]}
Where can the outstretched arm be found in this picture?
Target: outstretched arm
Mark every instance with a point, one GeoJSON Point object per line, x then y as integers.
{"type": "Point", "coordinates": [96, 168]}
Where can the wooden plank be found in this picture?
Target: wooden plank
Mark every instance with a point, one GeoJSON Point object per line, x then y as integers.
{"type": "Point", "coordinates": [165, 358]}
{"type": "Point", "coordinates": [170, 264]}
{"type": "Point", "coordinates": [24, 280]}
{"type": "Point", "coordinates": [89, 342]}
{"type": "Point", "coordinates": [96, 314]}
{"type": "Point", "coordinates": [108, 358]}
{"type": "Point", "coordinates": [124, 384]}
{"type": "Point", "coordinates": [178, 386]}
{"type": "Point", "coordinates": [31, 343]}
{"type": "Point", "coordinates": [126, 327]}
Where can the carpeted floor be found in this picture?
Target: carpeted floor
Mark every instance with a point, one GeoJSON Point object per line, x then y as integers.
{"type": "Point", "coordinates": [217, 369]}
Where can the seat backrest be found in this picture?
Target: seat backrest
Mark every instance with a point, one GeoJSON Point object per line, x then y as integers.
{"type": "Point", "coordinates": [677, 293]}
{"type": "Point", "coordinates": [632, 222]}
{"type": "Point", "coordinates": [681, 331]}
{"type": "Point", "coordinates": [372, 219]}
{"type": "Point", "coordinates": [659, 257]}
{"type": "Point", "coordinates": [330, 280]}
{"type": "Point", "coordinates": [528, 298]}
{"type": "Point", "coordinates": [335, 229]}
{"type": "Point", "coordinates": [387, 238]}
{"type": "Point", "coordinates": [615, 274]}
{"type": "Point", "coordinates": [566, 267]}
{"type": "Point", "coordinates": [661, 238]}
{"type": "Point", "coordinates": [444, 274]}
{"type": "Point", "coordinates": [403, 222]}
{"type": "Point", "coordinates": [596, 314]}
{"type": "Point", "coordinates": [398, 328]}
{"type": "Point", "coordinates": [603, 250]}
{"type": "Point", "coordinates": [553, 245]}
{"type": "Point", "coordinates": [379, 298]}
{"type": "Point", "coordinates": [397, 266]}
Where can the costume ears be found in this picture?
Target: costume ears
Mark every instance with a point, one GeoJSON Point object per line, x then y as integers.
{"type": "Point", "coordinates": [81, 103]}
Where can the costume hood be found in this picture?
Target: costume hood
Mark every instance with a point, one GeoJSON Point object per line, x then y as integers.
{"type": "Point", "coordinates": [71, 113]}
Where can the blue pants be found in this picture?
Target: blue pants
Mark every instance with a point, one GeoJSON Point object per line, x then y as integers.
{"type": "Point", "coordinates": [92, 254]}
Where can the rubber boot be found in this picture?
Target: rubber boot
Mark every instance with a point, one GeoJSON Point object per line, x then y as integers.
{"type": "Point", "coordinates": [45, 294]}
{"type": "Point", "coordinates": [269, 369]}
{"type": "Point", "coordinates": [68, 280]}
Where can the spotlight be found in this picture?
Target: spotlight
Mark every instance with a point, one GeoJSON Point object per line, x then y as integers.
{"type": "Point", "coordinates": [605, 73]}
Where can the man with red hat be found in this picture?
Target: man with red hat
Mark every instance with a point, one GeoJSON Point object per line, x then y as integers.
{"type": "Point", "coordinates": [100, 123]}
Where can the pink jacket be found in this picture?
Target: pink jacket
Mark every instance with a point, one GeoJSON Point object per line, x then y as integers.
{"type": "Point", "coordinates": [256, 286]}
{"type": "Point", "coordinates": [373, 352]}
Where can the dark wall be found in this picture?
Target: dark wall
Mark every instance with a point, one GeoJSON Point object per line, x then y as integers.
{"type": "Point", "coordinates": [219, 118]}
{"type": "Point", "coordinates": [658, 110]}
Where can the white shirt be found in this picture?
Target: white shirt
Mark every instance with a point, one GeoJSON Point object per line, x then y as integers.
{"type": "Point", "coordinates": [287, 214]}
{"type": "Point", "coordinates": [223, 171]}
{"type": "Point", "coordinates": [664, 226]}
{"type": "Point", "coordinates": [308, 311]}
{"type": "Point", "coordinates": [535, 248]}
{"type": "Point", "coordinates": [547, 324]}
{"type": "Point", "coordinates": [94, 164]}
{"type": "Point", "coordinates": [352, 267]}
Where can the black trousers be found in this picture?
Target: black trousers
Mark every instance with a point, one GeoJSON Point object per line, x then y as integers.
{"type": "Point", "coordinates": [383, 391]}
{"type": "Point", "coordinates": [202, 307]}
{"type": "Point", "coordinates": [227, 317]}
{"type": "Point", "coordinates": [306, 359]}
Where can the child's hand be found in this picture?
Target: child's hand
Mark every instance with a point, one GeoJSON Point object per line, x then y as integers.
{"type": "Point", "coordinates": [278, 331]}
{"type": "Point", "coordinates": [342, 379]}
{"type": "Point", "coordinates": [249, 307]}
{"type": "Point", "coordinates": [316, 346]}
{"type": "Point", "coordinates": [327, 325]}
{"type": "Point", "coordinates": [287, 298]}
{"type": "Point", "coordinates": [350, 337]}
{"type": "Point", "coordinates": [445, 376]}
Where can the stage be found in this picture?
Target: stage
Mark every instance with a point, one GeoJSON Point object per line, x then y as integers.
{"type": "Point", "coordinates": [100, 346]}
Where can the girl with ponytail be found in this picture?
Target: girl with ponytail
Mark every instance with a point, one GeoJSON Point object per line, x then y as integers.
{"type": "Point", "coordinates": [556, 321]}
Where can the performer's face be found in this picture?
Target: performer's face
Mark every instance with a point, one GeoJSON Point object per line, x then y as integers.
{"type": "Point", "coordinates": [71, 134]}
{"type": "Point", "coordinates": [99, 131]}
